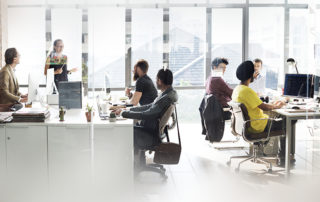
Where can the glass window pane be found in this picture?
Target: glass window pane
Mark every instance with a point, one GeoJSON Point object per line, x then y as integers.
{"type": "Point", "coordinates": [147, 38]}
{"type": "Point", "coordinates": [106, 46]}
{"type": "Point", "coordinates": [298, 40]}
{"type": "Point", "coordinates": [316, 25]}
{"type": "Point", "coordinates": [227, 39]}
{"type": "Point", "coordinates": [266, 32]}
{"type": "Point", "coordinates": [26, 2]}
{"type": "Point", "coordinates": [26, 32]}
{"type": "Point", "coordinates": [266, 1]}
{"type": "Point", "coordinates": [187, 45]}
{"type": "Point", "coordinates": [61, 21]}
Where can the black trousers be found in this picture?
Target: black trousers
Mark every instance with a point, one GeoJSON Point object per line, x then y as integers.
{"type": "Point", "coordinates": [281, 125]}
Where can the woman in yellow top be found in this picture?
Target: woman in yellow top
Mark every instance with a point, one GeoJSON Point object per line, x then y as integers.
{"type": "Point", "coordinates": [245, 95]}
{"type": "Point", "coordinates": [58, 61]}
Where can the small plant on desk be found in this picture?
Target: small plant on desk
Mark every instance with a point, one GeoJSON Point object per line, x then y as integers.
{"type": "Point", "coordinates": [89, 112]}
{"type": "Point", "coordinates": [112, 117]}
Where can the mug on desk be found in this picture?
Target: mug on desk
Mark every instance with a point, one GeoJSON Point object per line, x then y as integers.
{"type": "Point", "coordinates": [104, 107]}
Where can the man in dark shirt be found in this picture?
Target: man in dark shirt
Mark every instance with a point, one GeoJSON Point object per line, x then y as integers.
{"type": "Point", "coordinates": [216, 86]}
{"type": "Point", "coordinates": [145, 92]}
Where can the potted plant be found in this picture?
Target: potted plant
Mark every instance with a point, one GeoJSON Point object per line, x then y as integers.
{"type": "Point", "coordinates": [112, 117]}
{"type": "Point", "coordinates": [89, 113]}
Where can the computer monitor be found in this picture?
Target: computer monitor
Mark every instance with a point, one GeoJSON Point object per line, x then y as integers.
{"type": "Point", "coordinates": [50, 85]}
{"type": "Point", "coordinates": [33, 85]}
{"type": "Point", "coordinates": [70, 94]}
{"type": "Point", "coordinates": [299, 85]}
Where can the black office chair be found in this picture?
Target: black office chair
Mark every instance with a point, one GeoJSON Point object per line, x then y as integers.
{"type": "Point", "coordinates": [163, 134]}
{"type": "Point", "coordinates": [240, 123]}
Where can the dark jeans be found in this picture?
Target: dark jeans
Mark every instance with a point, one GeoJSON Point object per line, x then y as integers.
{"type": "Point", "coordinates": [281, 125]}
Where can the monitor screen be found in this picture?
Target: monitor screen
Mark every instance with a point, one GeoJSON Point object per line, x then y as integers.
{"type": "Point", "coordinates": [70, 94]}
{"type": "Point", "coordinates": [316, 85]}
{"type": "Point", "coordinates": [300, 85]}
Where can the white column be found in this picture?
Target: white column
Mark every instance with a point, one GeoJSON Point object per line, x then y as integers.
{"type": "Point", "coordinates": [3, 29]}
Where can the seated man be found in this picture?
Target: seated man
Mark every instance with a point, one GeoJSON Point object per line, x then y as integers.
{"type": "Point", "coordinates": [146, 133]}
{"type": "Point", "coordinates": [259, 83]}
{"type": "Point", "coordinates": [9, 86]}
{"type": "Point", "coordinates": [145, 90]}
{"type": "Point", "coordinates": [216, 86]}
{"type": "Point", "coordinates": [245, 95]}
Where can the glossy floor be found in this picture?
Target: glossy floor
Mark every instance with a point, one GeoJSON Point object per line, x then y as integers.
{"type": "Point", "coordinates": [202, 174]}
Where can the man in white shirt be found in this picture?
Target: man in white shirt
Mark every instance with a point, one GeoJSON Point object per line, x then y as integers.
{"type": "Point", "coordinates": [259, 83]}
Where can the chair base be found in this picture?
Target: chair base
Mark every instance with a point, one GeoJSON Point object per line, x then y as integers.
{"type": "Point", "coordinates": [254, 157]}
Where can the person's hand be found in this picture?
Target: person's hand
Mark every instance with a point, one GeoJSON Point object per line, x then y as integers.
{"type": "Point", "coordinates": [58, 71]}
{"type": "Point", "coordinates": [279, 104]}
{"type": "Point", "coordinates": [24, 100]}
{"type": "Point", "coordinates": [24, 96]}
{"type": "Point", "coordinates": [117, 112]}
{"type": "Point", "coordinates": [128, 91]}
{"type": "Point", "coordinates": [74, 69]}
{"type": "Point", "coordinates": [256, 74]}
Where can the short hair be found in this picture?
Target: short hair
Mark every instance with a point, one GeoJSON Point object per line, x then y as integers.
{"type": "Point", "coordinates": [143, 65]}
{"type": "Point", "coordinates": [10, 54]}
{"type": "Point", "coordinates": [257, 60]}
{"type": "Point", "coordinates": [166, 76]}
{"type": "Point", "coordinates": [217, 61]}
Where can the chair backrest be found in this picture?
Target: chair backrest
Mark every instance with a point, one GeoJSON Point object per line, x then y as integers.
{"type": "Point", "coordinates": [239, 116]}
{"type": "Point", "coordinates": [164, 119]}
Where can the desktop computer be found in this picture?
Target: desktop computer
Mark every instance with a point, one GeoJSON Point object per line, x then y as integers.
{"type": "Point", "coordinates": [33, 85]}
{"type": "Point", "coordinates": [299, 85]}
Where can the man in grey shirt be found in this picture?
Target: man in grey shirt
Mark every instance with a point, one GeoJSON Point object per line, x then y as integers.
{"type": "Point", "coordinates": [146, 133]}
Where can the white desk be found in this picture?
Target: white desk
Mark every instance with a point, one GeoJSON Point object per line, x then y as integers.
{"type": "Point", "coordinates": [290, 133]}
{"type": "Point", "coordinates": [66, 161]}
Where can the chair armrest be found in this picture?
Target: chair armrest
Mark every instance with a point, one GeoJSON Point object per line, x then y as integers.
{"type": "Point", "coordinates": [269, 130]}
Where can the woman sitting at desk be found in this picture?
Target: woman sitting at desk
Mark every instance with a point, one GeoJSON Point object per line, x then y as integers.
{"type": "Point", "coordinates": [58, 61]}
{"type": "Point", "coordinates": [9, 86]}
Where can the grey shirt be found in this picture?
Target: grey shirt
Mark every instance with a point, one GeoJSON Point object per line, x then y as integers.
{"type": "Point", "coordinates": [149, 114]}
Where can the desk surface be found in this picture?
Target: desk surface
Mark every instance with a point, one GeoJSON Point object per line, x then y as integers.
{"type": "Point", "coordinates": [286, 113]}
{"type": "Point", "coordinates": [75, 117]}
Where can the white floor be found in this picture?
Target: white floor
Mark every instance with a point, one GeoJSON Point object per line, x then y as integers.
{"type": "Point", "coordinates": [202, 174]}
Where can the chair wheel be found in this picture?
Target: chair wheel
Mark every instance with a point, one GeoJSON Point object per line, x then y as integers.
{"type": "Point", "coordinates": [237, 170]}
{"type": "Point", "coordinates": [229, 163]}
{"type": "Point", "coordinates": [269, 170]}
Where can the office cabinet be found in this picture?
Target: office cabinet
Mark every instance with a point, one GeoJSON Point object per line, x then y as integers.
{"type": "Point", "coordinates": [26, 157]}
{"type": "Point", "coordinates": [69, 161]}
{"type": "Point", "coordinates": [2, 160]}
{"type": "Point", "coordinates": [113, 159]}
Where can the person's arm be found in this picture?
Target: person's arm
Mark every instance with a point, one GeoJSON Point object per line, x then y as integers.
{"type": "Point", "coordinates": [270, 107]}
{"type": "Point", "coordinates": [4, 87]}
{"type": "Point", "coordinates": [152, 113]}
{"type": "Point", "coordinates": [141, 108]}
{"type": "Point", "coordinates": [224, 88]}
{"type": "Point", "coordinates": [46, 67]}
{"type": "Point", "coordinates": [136, 98]}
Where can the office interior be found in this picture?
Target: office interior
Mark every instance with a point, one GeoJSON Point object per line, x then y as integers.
{"type": "Point", "coordinates": [78, 160]}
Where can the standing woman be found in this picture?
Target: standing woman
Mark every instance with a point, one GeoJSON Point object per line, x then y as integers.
{"type": "Point", "coordinates": [58, 61]}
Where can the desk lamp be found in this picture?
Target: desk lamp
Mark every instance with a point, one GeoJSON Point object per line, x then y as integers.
{"type": "Point", "coordinates": [292, 63]}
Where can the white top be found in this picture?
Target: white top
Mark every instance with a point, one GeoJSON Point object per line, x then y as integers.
{"type": "Point", "coordinates": [259, 85]}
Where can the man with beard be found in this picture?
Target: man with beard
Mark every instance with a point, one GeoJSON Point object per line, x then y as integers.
{"type": "Point", "coordinates": [146, 133]}
{"type": "Point", "coordinates": [255, 107]}
{"type": "Point", "coordinates": [145, 90]}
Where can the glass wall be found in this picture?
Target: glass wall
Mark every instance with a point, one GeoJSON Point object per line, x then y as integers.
{"type": "Point", "coordinates": [147, 38]}
{"type": "Point", "coordinates": [26, 31]}
{"type": "Point", "coordinates": [227, 39]}
{"type": "Point", "coordinates": [266, 41]}
{"type": "Point", "coordinates": [187, 45]}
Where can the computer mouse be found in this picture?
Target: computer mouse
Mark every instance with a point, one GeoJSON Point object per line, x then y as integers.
{"type": "Point", "coordinates": [295, 107]}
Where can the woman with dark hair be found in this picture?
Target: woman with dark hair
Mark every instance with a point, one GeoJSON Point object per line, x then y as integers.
{"type": "Point", "coordinates": [58, 61]}
{"type": "Point", "coordinates": [9, 86]}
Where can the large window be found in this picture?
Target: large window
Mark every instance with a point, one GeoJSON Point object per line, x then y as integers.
{"type": "Point", "coordinates": [26, 32]}
{"type": "Point", "coordinates": [66, 24]}
{"type": "Point", "coordinates": [147, 38]}
{"type": "Point", "coordinates": [227, 39]}
{"type": "Point", "coordinates": [298, 40]}
{"type": "Point", "coordinates": [266, 39]}
{"type": "Point", "coordinates": [106, 46]}
{"type": "Point", "coordinates": [187, 45]}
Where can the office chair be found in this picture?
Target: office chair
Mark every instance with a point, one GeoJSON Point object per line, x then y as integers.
{"type": "Point", "coordinates": [163, 134]}
{"type": "Point", "coordinates": [240, 123]}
